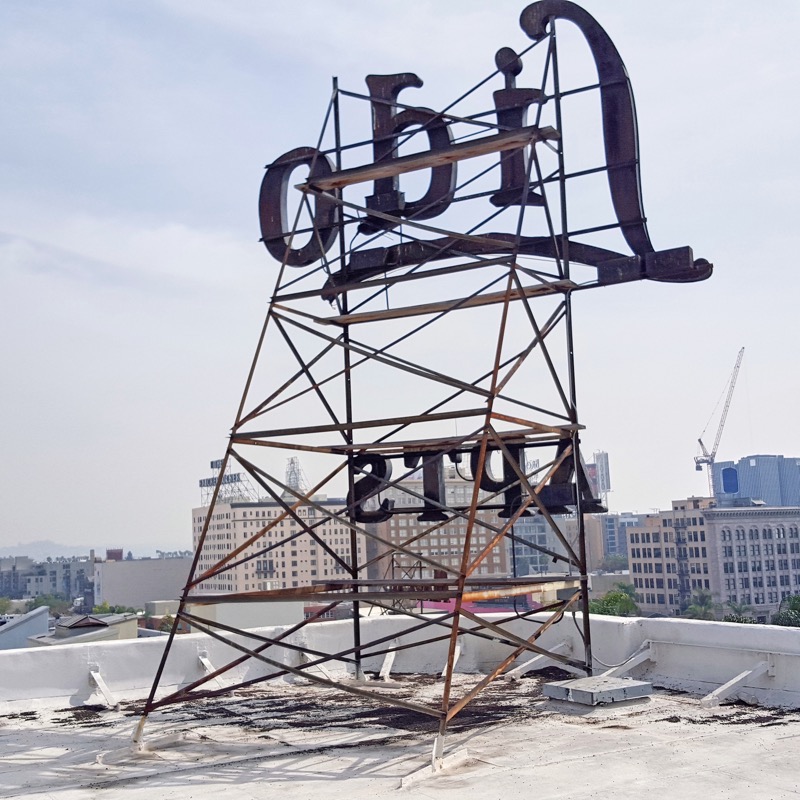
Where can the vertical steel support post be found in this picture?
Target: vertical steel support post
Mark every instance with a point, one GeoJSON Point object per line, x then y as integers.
{"type": "Point", "coordinates": [573, 393]}
{"type": "Point", "coordinates": [348, 388]}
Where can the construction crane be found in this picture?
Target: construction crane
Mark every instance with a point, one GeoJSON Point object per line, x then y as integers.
{"type": "Point", "coordinates": [707, 457]}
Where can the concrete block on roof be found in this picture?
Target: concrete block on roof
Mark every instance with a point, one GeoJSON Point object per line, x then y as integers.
{"type": "Point", "coordinates": [598, 689]}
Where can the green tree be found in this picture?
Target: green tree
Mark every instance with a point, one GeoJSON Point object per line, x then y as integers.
{"type": "Point", "coordinates": [788, 613]}
{"type": "Point", "coordinates": [790, 603]}
{"type": "Point", "coordinates": [702, 606]}
{"type": "Point", "coordinates": [740, 618]}
{"type": "Point", "coordinates": [614, 563]}
{"type": "Point", "coordinates": [740, 612]}
{"type": "Point", "coordinates": [788, 619]}
{"type": "Point", "coordinates": [739, 609]}
{"type": "Point", "coordinates": [105, 608]}
{"type": "Point", "coordinates": [5, 605]}
{"type": "Point", "coordinates": [616, 603]}
{"type": "Point", "coordinates": [59, 605]}
{"type": "Point", "coordinates": [167, 623]}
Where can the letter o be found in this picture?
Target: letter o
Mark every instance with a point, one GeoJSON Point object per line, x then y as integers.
{"type": "Point", "coordinates": [273, 209]}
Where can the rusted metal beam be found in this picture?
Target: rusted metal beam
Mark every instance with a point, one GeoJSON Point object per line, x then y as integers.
{"type": "Point", "coordinates": [498, 143]}
{"type": "Point", "coordinates": [491, 298]}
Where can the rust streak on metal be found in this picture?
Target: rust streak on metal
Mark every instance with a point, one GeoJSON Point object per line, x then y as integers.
{"type": "Point", "coordinates": [497, 143]}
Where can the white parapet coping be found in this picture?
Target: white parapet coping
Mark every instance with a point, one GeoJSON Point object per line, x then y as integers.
{"type": "Point", "coordinates": [688, 655]}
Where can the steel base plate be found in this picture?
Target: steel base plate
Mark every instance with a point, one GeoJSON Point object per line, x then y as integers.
{"type": "Point", "coordinates": [596, 690]}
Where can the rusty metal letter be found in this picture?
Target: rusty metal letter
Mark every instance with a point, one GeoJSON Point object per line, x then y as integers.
{"type": "Point", "coordinates": [273, 212]}
{"type": "Point", "coordinates": [511, 105]}
{"type": "Point", "coordinates": [509, 484]}
{"type": "Point", "coordinates": [387, 123]}
{"type": "Point", "coordinates": [369, 486]}
{"type": "Point", "coordinates": [432, 484]}
{"type": "Point", "coordinates": [619, 116]}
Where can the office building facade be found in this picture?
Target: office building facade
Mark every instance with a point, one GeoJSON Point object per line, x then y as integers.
{"type": "Point", "coordinates": [756, 557]}
{"type": "Point", "coordinates": [743, 556]}
{"type": "Point", "coordinates": [771, 480]}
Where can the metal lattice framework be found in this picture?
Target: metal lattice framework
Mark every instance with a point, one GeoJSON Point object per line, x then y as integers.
{"type": "Point", "coordinates": [393, 340]}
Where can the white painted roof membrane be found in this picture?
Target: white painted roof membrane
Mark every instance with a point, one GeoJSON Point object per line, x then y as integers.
{"type": "Point", "coordinates": [303, 741]}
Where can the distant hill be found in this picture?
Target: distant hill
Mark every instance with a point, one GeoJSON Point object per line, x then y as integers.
{"type": "Point", "coordinates": [43, 548]}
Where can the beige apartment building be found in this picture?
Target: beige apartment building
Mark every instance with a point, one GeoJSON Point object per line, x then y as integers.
{"type": "Point", "coordinates": [671, 556]}
{"type": "Point", "coordinates": [444, 543]}
{"type": "Point", "coordinates": [293, 557]}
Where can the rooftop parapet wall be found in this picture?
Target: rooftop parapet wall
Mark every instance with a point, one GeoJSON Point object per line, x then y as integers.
{"type": "Point", "coordinates": [694, 656]}
{"type": "Point", "coordinates": [14, 634]}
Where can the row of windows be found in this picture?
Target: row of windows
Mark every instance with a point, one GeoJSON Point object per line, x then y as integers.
{"type": "Point", "coordinates": [758, 581]}
{"type": "Point", "coordinates": [645, 538]}
{"type": "Point", "coordinates": [655, 537]}
{"type": "Point", "coordinates": [688, 536]}
{"type": "Point", "coordinates": [277, 512]}
{"type": "Point", "coordinates": [781, 548]}
{"type": "Point", "coordinates": [694, 521]}
{"type": "Point", "coordinates": [202, 518]}
{"type": "Point", "coordinates": [637, 567]}
{"type": "Point", "coordinates": [692, 552]}
{"type": "Point", "coordinates": [753, 533]}
{"type": "Point", "coordinates": [650, 598]}
{"type": "Point", "coordinates": [659, 599]}
{"type": "Point", "coordinates": [757, 598]}
{"type": "Point", "coordinates": [756, 566]}
{"type": "Point", "coordinates": [649, 583]}
{"type": "Point", "coordinates": [645, 552]}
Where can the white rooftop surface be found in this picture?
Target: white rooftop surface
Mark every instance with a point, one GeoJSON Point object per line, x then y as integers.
{"type": "Point", "coordinates": [298, 741]}
{"type": "Point", "coordinates": [68, 713]}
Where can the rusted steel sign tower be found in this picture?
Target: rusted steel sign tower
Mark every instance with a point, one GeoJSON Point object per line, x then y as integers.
{"type": "Point", "coordinates": [422, 320]}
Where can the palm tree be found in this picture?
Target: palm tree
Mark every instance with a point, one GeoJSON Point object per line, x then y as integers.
{"type": "Point", "coordinates": [739, 609]}
{"type": "Point", "coordinates": [703, 606]}
{"type": "Point", "coordinates": [622, 604]}
{"type": "Point", "coordinates": [627, 588]}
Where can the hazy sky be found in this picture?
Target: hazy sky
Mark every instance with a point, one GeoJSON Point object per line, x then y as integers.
{"type": "Point", "coordinates": [133, 284]}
